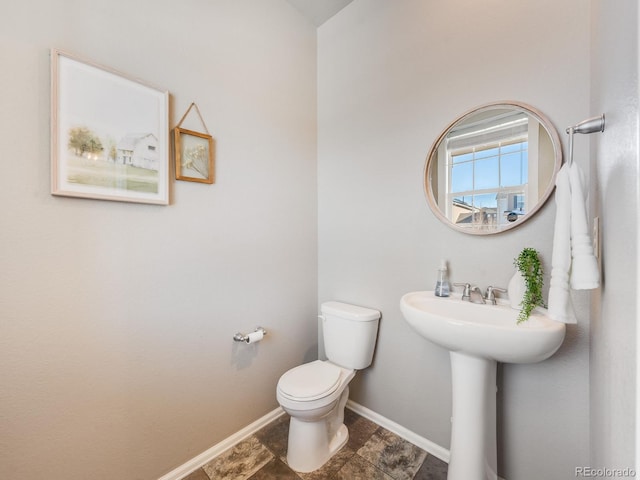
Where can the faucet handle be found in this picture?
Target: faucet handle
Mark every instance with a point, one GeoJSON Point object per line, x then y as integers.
{"type": "Point", "coordinates": [490, 294]}
{"type": "Point", "coordinates": [466, 294]}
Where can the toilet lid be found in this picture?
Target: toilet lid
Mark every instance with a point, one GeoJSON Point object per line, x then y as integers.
{"type": "Point", "coordinates": [310, 381]}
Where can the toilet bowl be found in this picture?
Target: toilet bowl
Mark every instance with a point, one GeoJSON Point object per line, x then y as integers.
{"type": "Point", "coordinates": [315, 394]}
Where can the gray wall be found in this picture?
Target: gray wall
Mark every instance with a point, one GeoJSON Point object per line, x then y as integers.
{"type": "Point", "coordinates": [391, 76]}
{"type": "Point", "coordinates": [105, 382]}
{"type": "Point", "coordinates": [116, 320]}
{"type": "Point", "coordinates": [614, 323]}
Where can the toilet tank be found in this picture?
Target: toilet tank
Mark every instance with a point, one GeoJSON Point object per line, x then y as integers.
{"type": "Point", "coordinates": [349, 334]}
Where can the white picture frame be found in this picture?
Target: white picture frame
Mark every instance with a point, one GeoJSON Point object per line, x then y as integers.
{"type": "Point", "coordinates": [109, 134]}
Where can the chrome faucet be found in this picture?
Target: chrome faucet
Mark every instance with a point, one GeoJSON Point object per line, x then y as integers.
{"type": "Point", "coordinates": [466, 293]}
{"type": "Point", "coordinates": [478, 291]}
{"type": "Point", "coordinates": [490, 296]}
{"type": "Point", "coordinates": [469, 290]}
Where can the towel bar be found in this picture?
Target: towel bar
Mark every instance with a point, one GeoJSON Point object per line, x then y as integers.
{"type": "Point", "coordinates": [590, 125]}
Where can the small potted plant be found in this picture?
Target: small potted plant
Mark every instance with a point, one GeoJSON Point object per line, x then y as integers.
{"type": "Point", "coordinates": [530, 268]}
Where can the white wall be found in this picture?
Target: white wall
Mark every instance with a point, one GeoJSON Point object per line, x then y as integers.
{"type": "Point", "coordinates": [614, 323]}
{"type": "Point", "coordinates": [116, 320]}
{"type": "Point", "coordinates": [391, 76]}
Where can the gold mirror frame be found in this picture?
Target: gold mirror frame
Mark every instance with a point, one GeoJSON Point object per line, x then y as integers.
{"type": "Point", "coordinates": [432, 161]}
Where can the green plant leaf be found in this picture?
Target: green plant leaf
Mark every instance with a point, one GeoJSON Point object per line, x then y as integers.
{"type": "Point", "coordinates": [529, 265]}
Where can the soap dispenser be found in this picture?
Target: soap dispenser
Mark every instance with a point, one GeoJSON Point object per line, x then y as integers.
{"type": "Point", "coordinates": [442, 283]}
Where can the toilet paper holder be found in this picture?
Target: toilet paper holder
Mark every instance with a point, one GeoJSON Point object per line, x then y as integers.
{"type": "Point", "coordinates": [255, 336]}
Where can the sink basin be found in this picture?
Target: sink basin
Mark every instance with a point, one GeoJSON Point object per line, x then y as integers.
{"type": "Point", "coordinates": [487, 331]}
{"type": "Point", "coordinates": [477, 337]}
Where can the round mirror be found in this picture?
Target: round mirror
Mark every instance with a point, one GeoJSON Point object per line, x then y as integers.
{"type": "Point", "coordinates": [492, 168]}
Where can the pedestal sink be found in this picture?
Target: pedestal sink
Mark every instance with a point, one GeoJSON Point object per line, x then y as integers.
{"type": "Point", "coordinates": [477, 337]}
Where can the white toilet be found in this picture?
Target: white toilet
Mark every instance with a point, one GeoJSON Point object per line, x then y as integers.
{"type": "Point", "coordinates": [315, 394]}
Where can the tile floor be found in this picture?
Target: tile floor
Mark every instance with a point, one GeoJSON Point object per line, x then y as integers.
{"type": "Point", "coordinates": [372, 453]}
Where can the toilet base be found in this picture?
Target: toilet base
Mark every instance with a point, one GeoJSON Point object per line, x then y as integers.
{"type": "Point", "coordinates": [316, 449]}
{"type": "Point", "coordinates": [312, 444]}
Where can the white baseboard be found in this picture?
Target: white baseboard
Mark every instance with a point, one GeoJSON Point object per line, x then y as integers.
{"type": "Point", "coordinates": [219, 448]}
{"type": "Point", "coordinates": [427, 445]}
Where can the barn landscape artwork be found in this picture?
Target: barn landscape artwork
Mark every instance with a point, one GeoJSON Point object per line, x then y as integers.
{"type": "Point", "coordinates": [130, 163]}
{"type": "Point", "coordinates": [110, 134]}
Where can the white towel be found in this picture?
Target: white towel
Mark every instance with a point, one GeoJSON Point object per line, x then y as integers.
{"type": "Point", "coordinates": [572, 261]}
{"type": "Point", "coordinates": [584, 267]}
{"type": "Point", "coordinates": [560, 307]}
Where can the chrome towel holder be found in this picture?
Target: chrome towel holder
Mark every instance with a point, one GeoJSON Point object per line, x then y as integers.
{"type": "Point", "coordinates": [590, 125]}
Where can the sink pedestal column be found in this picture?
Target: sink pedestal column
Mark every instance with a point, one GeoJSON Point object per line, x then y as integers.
{"type": "Point", "coordinates": [473, 431]}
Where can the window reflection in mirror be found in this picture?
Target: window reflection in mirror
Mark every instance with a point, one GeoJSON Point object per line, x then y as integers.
{"type": "Point", "coordinates": [491, 168]}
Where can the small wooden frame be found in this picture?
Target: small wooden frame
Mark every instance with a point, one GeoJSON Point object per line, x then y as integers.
{"type": "Point", "coordinates": [193, 156]}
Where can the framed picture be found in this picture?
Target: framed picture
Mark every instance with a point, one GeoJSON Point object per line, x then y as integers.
{"type": "Point", "coordinates": [109, 134]}
{"type": "Point", "coordinates": [193, 156]}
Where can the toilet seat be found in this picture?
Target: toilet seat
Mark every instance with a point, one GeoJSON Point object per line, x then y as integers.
{"type": "Point", "coordinates": [310, 381]}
